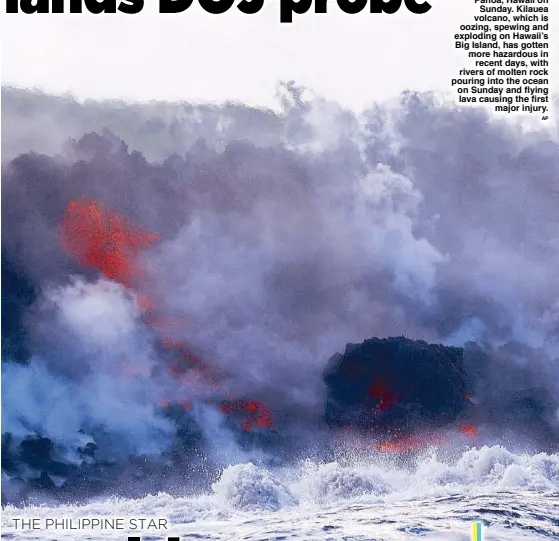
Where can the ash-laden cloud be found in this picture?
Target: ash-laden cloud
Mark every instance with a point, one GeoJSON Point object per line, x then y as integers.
{"type": "Point", "coordinates": [275, 238]}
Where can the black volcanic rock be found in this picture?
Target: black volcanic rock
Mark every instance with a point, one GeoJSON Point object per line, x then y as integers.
{"type": "Point", "coordinates": [395, 383]}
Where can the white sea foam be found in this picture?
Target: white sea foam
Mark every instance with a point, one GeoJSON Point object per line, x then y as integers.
{"type": "Point", "coordinates": [515, 496]}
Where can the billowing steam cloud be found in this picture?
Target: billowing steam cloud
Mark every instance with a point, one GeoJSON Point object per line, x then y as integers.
{"type": "Point", "coordinates": [275, 238]}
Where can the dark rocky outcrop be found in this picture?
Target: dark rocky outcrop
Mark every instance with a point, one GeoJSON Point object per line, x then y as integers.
{"type": "Point", "coordinates": [395, 383]}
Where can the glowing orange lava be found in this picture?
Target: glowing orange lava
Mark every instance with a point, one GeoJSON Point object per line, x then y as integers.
{"type": "Point", "coordinates": [386, 398]}
{"type": "Point", "coordinates": [103, 240]}
{"type": "Point", "coordinates": [468, 430]}
{"type": "Point", "coordinates": [258, 413]}
{"type": "Point", "coordinates": [409, 443]}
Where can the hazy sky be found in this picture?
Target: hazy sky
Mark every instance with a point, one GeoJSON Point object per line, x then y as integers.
{"type": "Point", "coordinates": [354, 59]}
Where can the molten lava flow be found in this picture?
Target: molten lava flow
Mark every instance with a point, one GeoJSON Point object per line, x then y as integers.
{"type": "Point", "coordinates": [409, 443]}
{"type": "Point", "coordinates": [468, 430]}
{"type": "Point", "coordinates": [416, 443]}
{"type": "Point", "coordinates": [386, 398]}
{"type": "Point", "coordinates": [194, 370]}
{"type": "Point", "coordinates": [258, 414]}
{"type": "Point", "coordinates": [400, 444]}
{"type": "Point", "coordinates": [103, 240]}
{"type": "Point", "coordinates": [189, 358]}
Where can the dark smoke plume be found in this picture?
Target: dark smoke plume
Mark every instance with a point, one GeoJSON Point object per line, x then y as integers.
{"type": "Point", "coordinates": [278, 238]}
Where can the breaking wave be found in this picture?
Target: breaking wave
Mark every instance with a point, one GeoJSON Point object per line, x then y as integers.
{"type": "Point", "coordinates": [431, 493]}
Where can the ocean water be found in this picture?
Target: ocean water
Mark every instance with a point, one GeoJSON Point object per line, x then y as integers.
{"type": "Point", "coordinates": [358, 498]}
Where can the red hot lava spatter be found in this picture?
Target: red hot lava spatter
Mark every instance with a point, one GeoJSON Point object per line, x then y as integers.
{"type": "Point", "coordinates": [412, 442]}
{"type": "Point", "coordinates": [106, 241]}
{"type": "Point", "coordinates": [409, 443]}
{"type": "Point", "coordinates": [255, 413]}
{"type": "Point", "coordinates": [415, 442]}
{"type": "Point", "coordinates": [383, 394]}
{"type": "Point", "coordinates": [468, 430]}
